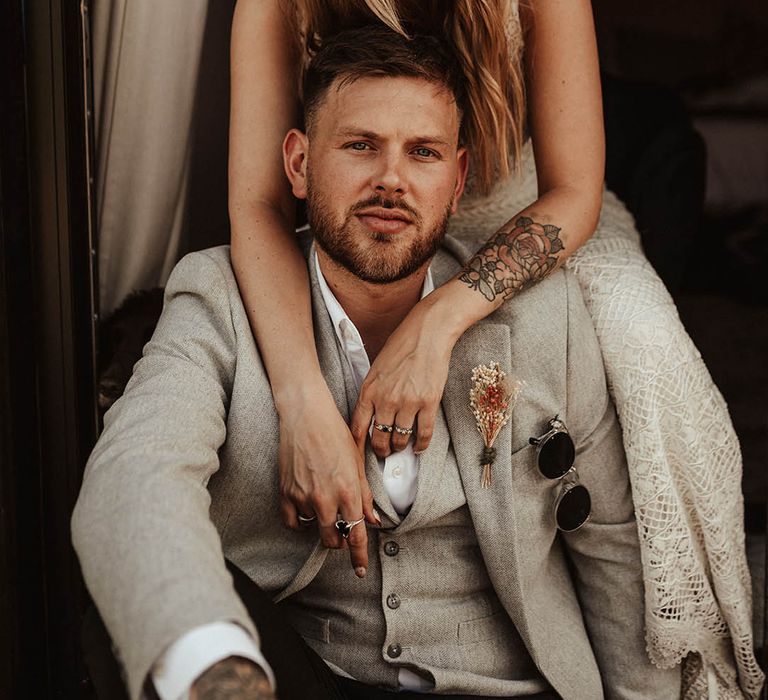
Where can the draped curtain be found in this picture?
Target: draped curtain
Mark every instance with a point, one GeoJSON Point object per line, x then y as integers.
{"type": "Point", "coordinates": [146, 61]}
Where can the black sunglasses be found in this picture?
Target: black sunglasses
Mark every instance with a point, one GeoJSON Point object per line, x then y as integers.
{"type": "Point", "coordinates": [555, 455]}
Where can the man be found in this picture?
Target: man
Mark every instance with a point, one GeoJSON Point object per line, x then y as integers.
{"type": "Point", "coordinates": [470, 591]}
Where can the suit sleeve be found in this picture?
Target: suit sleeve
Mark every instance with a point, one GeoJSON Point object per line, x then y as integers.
{"type": "Point", "coordinates": [151, 557]}
{"type": "Point", "coordinates": [605, 553]}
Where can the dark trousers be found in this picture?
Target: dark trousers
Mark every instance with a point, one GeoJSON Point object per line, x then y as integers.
{"type": "Point", "coordinates": [301, 674]}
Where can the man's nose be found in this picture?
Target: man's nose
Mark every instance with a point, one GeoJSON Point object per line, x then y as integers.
{"type": "Point", "coordinates": [389, 177]}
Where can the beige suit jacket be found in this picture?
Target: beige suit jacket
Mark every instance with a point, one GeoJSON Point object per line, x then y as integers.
{"type": "Point", "coordinates": [185, 473]}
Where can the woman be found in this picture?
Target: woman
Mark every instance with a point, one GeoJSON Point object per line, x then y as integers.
{"type": "Point", "coordinates": [543, 58]}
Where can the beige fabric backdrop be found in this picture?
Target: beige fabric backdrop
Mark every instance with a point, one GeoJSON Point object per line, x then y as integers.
{"type": "Point", "coordinates": [146, 60]}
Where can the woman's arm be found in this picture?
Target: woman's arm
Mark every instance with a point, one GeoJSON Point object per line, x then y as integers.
{"type": "Point", "coordinates": [270, 269]}
{"type": "Point", "coordinates": [566, 125]}
{"type": "Point", "coordinates": [321, 471]}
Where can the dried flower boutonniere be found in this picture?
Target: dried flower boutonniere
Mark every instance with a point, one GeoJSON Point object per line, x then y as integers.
{"type": "Point", "coordinates": [492, 399]}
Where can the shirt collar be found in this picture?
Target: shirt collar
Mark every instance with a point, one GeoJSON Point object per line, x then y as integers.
{"type": "Point", "coordinates": [338, 316]}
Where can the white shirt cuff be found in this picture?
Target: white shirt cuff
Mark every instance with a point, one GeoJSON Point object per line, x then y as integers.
{"type": "Point", "coordinates": [196, 651]}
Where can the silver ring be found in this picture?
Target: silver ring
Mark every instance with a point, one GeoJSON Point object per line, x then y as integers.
{"type": "Point", "coordinates": [344, 527]}
{"type": "Point", "coordinates": [383, 427]}
{"type": "Point", "coordinates": [306, 518]}
{"type": "Point", "coordinates": [403, 431]}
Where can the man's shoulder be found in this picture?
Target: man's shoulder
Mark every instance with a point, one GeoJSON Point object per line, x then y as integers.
{"type": "Point", "coordinates": [208, 263]}
{"type": "Point", "coordinates": [207, 273]}
{"type": "Point", "coordinates": [207, 277]}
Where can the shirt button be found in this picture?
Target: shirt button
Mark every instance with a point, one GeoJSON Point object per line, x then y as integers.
{"type": "Point", "coordinates": [391, 548]}
{"type": "Point", "coordinates": [394, 650]}
{"type": "Point", "coordinates": [397, 472]}
{"type": "Point", "coordinates": [393, 601]}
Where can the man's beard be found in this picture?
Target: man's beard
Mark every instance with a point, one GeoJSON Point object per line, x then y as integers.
{"type": "Point", "coordinates": [371, 256]}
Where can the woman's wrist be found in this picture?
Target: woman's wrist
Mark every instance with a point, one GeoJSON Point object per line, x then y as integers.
{"type": "Point", "coordinates": [453, 308]}
{"type": "Point", "coordinates": [304, 386]}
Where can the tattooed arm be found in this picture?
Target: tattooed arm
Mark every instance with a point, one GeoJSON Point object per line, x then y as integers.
{"type": "Point", "coordinates": [563, 89]}
{"type": "Point", "coordinates": [516, 257]}
{"type": "Point", "coordinates": [232, 679]}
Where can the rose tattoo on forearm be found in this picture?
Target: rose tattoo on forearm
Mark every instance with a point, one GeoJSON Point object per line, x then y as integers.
{"type": "Point", "coordinates": [513, 260]}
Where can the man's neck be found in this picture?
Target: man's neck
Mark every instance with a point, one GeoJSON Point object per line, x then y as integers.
{"type": "Point", "coordinates": [375, 309]}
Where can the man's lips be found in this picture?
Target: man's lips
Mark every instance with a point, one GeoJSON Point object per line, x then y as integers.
{"type": "Point", "coordinates": [384, 220]}
{"type": "Point", "coordinates": [389, 214]}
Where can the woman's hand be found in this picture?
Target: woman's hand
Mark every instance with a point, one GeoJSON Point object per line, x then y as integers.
{"type": "Point", "coordinates": [406, 381]}
{"type": "Point", "coordinates": [322, 473]}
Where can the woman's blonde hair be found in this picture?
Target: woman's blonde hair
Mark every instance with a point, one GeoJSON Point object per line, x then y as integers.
{"type": "Point", "coordinates": [490, 60]}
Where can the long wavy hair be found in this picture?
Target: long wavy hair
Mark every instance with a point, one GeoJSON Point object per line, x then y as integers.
{"type": "Point", "coordinates": [493, 128]}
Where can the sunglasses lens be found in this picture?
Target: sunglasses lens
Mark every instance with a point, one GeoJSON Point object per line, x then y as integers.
{"type": "Point", "coordinates": [556, 456]}
{"type": "Point", "coordinates": [573, 508]}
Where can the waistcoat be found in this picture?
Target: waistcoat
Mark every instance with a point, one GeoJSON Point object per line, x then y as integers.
{"type": "Point", "coordinates": [426, 603]}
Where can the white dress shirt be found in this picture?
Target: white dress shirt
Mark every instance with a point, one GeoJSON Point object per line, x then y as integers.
{"type": "Point", "coordinates": [194, 652]}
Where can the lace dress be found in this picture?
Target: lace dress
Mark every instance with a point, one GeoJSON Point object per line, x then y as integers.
{"type": "Point", "coordinates": [683, 455]}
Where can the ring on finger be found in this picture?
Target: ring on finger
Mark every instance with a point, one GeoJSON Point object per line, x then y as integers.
{"type": "Point", "coordinates": [306, 519]}
{"type": "Point", "coordinates": [344, 527]}
{"type": "Point", "coordinates": [383, 427]}
{"type": "Point", "coordinates": [403, 431]}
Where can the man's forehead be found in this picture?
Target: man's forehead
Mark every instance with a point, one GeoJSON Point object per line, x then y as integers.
{"type": "Point", "coordinates": [412, 108]}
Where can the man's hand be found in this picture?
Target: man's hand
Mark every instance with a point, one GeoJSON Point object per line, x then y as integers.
{"type": "Point", "coordinates": [234, 678]}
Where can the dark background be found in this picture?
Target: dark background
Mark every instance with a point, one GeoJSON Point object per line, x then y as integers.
{"type": "Point", "coordinates": [685, 83]}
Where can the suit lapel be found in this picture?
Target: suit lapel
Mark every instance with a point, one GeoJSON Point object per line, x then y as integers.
{"type": "Point", "coordinates": [343, 388]}
{"type": "Point", "coordinates": [493, 509]}
{"type": "Point", "coordinates": [328, 351]}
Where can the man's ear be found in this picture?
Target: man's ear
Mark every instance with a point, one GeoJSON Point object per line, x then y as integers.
{"type": "Point", "coordinates": [295, 151]}
{"type": "Point", "coordinates": [461, 177]}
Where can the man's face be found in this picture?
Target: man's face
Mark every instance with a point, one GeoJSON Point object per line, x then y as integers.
{"type": "Point", "coordinates": [382, 172]}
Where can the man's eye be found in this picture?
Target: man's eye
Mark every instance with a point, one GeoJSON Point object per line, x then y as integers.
{"type": "Point", "coordinates": [425, 152]}
{"type": "Point", "coordinates": [358, 146]}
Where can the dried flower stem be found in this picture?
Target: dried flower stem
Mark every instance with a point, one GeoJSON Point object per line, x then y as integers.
{"type": "Point", "coordinates": [492, 399]}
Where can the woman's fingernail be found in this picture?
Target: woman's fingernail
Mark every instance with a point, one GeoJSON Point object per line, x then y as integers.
{"type": "Point", "coordinates": [360, 572]}
{"type": "Point", "coordinates": [376, 515]}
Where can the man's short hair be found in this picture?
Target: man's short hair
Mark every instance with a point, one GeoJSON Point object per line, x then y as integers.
{"type": "Point", "coordinates": [377, 51]}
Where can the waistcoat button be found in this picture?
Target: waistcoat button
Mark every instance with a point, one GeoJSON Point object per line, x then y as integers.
{"type": "Point", "coordinates": [391, 548]}
{"type": "Point", "coordinates": [394, 650]}
{"type": "Point", "coordinates": [393, 601]}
